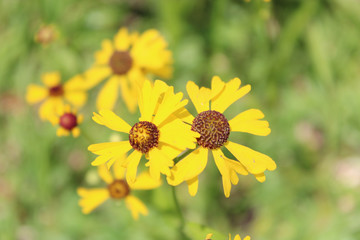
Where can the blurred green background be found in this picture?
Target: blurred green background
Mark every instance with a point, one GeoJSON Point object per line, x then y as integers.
{"type": "Point", "coordinates": [301, 58]}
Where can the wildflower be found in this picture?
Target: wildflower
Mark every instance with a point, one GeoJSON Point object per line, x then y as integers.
{"type": "Point", "coordinates": [53, 96]}
{"type": "Point", "coordinates": [46, 35]}
{"type": "Point", "coordinates": [208, 236]}
{"type": "Point", "coordinates": [237, 237]}
{"type": "Point", "coordinates": [117, 189]}
{"type": "Point", "coordinates": [126, 62]}
{"type": "Point", "coordinates": [68, 121]}
{"type": "Point", "coordinates": [214, 131]}
{"type": "Point", "coordinates": [159, 135]}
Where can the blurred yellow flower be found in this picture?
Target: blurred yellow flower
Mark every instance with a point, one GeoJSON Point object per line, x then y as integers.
{"type": "Point", "coordinates": [126, 62]}
{"type": "Point", "coordinates": [46, 34]}
{"type": "Point", "coordinates": [117, 188]}
{"type": "Point", "coordinates": [214, 131]}
{"type": "Point", "coordinates": [237, 237]}
{"type": "Point", "coordinates": [208, 236]}
{"type": "Point", "coordinates": [54, 94]}
{"type": "Point", "coordinates": [68, 121]}
{"type": "Point", "coordinates": [158, 135]}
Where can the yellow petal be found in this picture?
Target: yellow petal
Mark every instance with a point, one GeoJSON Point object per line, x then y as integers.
{"type": "Point", "coordinates": [135, 206]}
{"type": "Point", "coordinates": [119, 170]}
{"type": "Point", "coordinates": [76, 83]}
{"type": "Point", "coordinates": [199, 97]}
{"type": "Point", "coordinates": [51, 79]}
{"type": "Point", "coordinates": [108, 94]}
{"type": "Point", "coordinates": [260, 177]}
{"type": "Point", "coordinates": [48, 108]}
{"type": "Point", "coordinates": [193, 185]}
{"type": "Point", "coordinates": [248, 121]}
{"type": "Point", "coordinates": [254, 161]}
{"type": "Point", "coordinates": [103, 56]}
{"type": "Point", "coordinates": [246, 238]}
{"type": "Point", "coordinates": [128, 93]}
{"type": "Point", "coordinates": [133, 161]}
{"type": "Point", "coordinates": [144, 182]}
{"type": "Point", "coordinates": [95, 75]}
{"type": "Point", "coordinates": [35, 93]}
{"type": "Point", "coordinates": [75, 132]}
{"type": "Point", "coordinates": [122, 40]}
{"type": "Point", "coordinates": [231, 93]}
{"type": "Point", "coordinates": [92, 198]}
{"type": "Point", "coordinates": [60, 132]}
{"type": "Point", "coordinates": [189, 167]}
{"type": "Point", "coordinates": [237, 237]}
{"type": "Point", "coordinates": [112, 121]}
{"type": "Point", "coordinates": [184, 115]}
{"type": "Point", "coordinates": [76, 98]}
{"type": "Point", "coordinates": [158, 163]}
{"type": "Point", "coordinates": [208, 236]}
{"type": "Point", "coordinates": [217, 86]}
{"type": "Point", "coordinates": [224, 170]}
{"type": "Point", "coordinates": [105, 174]}
{"type": "Point", "coordinates": [108, 151]}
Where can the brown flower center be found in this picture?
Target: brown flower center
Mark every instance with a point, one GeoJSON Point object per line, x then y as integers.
{"type": "Point", "coordinates": [45, 35]}
{"type": "Point", "coordinates": [144, 136]}
{"type": "Point", "coordinates": [120, 62]}
{"type": "Point", "coordinates": [56, 91]}
{"type": "Point", "coordinates": [118, 189]}
{"type": "Point", "coordinates": [68, 121]}
{"type": "Point", "coordinates": [213, 127]}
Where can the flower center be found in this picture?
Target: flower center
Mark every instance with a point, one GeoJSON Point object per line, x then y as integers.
{"type": "Point", "coordinates": [56, 91]}
{"type": "Point", "coordinates": [144, 136]}
{"type": "Point", "coordinates": [213, 127]}
{"type": "Point", "coordinates": [119, 189]}
{"type": "Point", "coordinates": [120, 62]}
{"type": "Point", "coordinates": [68, 121]}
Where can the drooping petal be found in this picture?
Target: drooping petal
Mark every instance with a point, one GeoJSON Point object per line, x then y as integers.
{"type": "Point", "coordinates": [260, 177]}
{"type": "Point", "coordinates": [231, 93]}
{"type": "Point", "coordinates": [103, 56]}
{"type": "Point", "coordinates": [223, 169]}
{"type": "Point", "coordinates": [108, 151]}
{"type": "Point", "coordinates": [199, 97]}
{"type": "Point", "coordinates": [132, 162]}
{"type": "Point", "coordinates": [119, 170]}
{"type": "Point", "coordinates": [217, 86]}
{"type": "Point", "coordinates": [158, 163]}
{"type": "Point", "coordinates": [51, 79]}
{"type": "Point", "coordinates": [109, 119]}
{"type": "Point", "coordinates": [92, 198]}
{"type": "Point", "coordinates": [35, 93]}
{"type": "Point", "coordinates": [128, 93]}
{"type": "Point", "coordinates": [95, 75]}
{"type": "Point", "coordinates": [193, 185]}
{"type": "Point", "coordinates": [105, 174]}
{"type": "Point", "coordinates": [60, 132]}
{"type": "Point", "coordinates": [144, 182]}
{"type": "Point", "coordinates": [75, 132]}
{"type": "Point", "coordinates": [255, 162]}
{"type": "Point", "coordinates": [122, 40]}
{"type": "Point", "coordinates": [108, 95]}
{"type": "Point", "coordinates": [189, 167]}
{"type": "Point", "coordinates": [248, 121]}
{"type": "Point", "coordinates": [136, 206]}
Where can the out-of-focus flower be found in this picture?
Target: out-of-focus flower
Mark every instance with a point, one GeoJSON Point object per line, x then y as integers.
{"type": "Point", "coordinates": [214, 130]}
{"type": "Point", "coordinates": [54, 94]}
{"type": "Point", "coordinates": [237, 237]}
{"type": "Point", "coordinates": [46, 34]}
{"type": "Point", "coordinates": [117, 189]}
{"type": "Point", "coordinates": [158, 135]}
{"type": "Point", "coordinates": [126, 62]}
{"type": "Point", "coordinates": [208, 236]}
{"type": "Point", "coordinates": [68, 120]}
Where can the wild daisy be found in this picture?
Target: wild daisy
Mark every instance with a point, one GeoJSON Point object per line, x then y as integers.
{"type": "Point", "coordinates": [214, 130]}
{"type": "Point", "coordinates": [117, 189]}
{"type": "Point", "coordinates": [54, 94]}
{"type": "Point", "coordinates": [125, 62]}
{"type": "Point", "coordinates": [237, 237]}
{"type": "Point", "coordinates": [159, 135]}
{"type": "Point", "coordinates": [68, 120]}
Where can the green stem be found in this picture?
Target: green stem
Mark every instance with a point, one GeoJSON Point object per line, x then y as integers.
{"type": "Point", "coordinates": [181, 216]}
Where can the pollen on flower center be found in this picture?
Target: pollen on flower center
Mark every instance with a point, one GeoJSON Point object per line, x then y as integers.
{"type": "Point", "coordinates": [144, 136]}
{"type": "Point", "coordinates": [120, 62]}
{"type": "Point", "coordinates": [56, 91]}
{"type": "Point", "coordinates": [213, 127]}
{"type": "Point", "coordinates": [118, 189]}
{"type": "Point", "coordinates": [68, 121]}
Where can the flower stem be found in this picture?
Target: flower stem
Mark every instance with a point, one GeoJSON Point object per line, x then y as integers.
{"type": "Point", "coordinates": [181, 216]}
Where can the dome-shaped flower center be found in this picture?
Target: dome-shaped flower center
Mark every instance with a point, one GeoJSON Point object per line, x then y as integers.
{"type": "Point", "coordinates": [68, 121]}
{"type": "Point", "coordinates": [118, 189]}
{"type": "Point", "coordinates": [213, 127]}
{"type": "Point", "coordinates": [56, 91]}
{"type": "Point", "coordinates": [120, 62]}
{"type": "Point", "coordinates": [144, 136]}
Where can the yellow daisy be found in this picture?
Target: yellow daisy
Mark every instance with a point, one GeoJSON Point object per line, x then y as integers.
{"type": "Point", "coordinates": [214, 131]}
{"type": "Point", "coordinates": [237, 237]}
{"type": "Point", "coordinates": [158, 135]}
{"type": "Point", "coordinates": [117, 188]}
{"type": "Point", "coordinates": [54, 94]}
{"type": "Point", "coordinates": [125, 62]}
{"type": "Point", "coordinates": [68, 121]}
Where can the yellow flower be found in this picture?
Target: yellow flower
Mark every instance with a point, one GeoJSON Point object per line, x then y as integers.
{"type": "Point", "coordinates": [158, 135]}
{"type": "Point", "coordinates": [117, 188]}
{"type": "Point", "coordinates": [126, 62]}
{"type": "Point", "coordinates": [214, 131]}
{"type": "Point", "coordinates": [68, 121]}
{"type": "Point", "coordinates": [55, 94]}
{"type": "Point", "coordinates": [237, 237]}
{"type": "Point", "coordinates": [208, 236]}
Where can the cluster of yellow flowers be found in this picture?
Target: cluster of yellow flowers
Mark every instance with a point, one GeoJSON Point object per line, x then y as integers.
{"type": "Point", "coordinates": [171, 140]}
